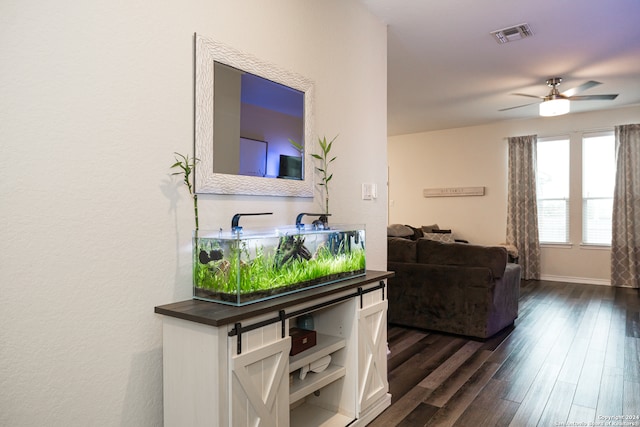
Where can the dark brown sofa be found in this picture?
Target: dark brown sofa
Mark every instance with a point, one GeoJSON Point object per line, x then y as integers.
{"type": "Point", "coordinates": [457, 288]}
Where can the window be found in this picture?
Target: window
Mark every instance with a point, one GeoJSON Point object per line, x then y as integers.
{"type": "Point", "coordinates": [598, 180]}
{"type": "Point", "coordinates": [552, 187]}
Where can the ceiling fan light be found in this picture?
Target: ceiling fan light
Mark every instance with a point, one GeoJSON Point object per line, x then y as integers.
{"type": "Point", "coordinates": [554, 107]}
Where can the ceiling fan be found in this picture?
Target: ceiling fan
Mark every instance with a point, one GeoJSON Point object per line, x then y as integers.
{"type": "Point", "coordinates": [556, 103]}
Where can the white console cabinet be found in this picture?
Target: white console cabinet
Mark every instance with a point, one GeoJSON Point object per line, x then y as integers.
{"type": "Point", "coordinates": [230, 366]}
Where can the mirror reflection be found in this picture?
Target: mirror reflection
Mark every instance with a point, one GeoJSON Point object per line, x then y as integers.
{"type": "Point", "coordinates": [254, 120]}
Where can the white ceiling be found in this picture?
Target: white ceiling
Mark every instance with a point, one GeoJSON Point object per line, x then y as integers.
{"type": "Point", "coordinates": [445, 70]}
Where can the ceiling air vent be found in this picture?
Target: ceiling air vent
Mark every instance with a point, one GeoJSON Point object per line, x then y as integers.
{"type": "Point", "coordinates": [511, 34]}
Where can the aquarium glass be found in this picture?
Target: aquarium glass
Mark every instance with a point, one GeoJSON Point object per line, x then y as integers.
{"type": "Point", "coordinates": [240, 268]}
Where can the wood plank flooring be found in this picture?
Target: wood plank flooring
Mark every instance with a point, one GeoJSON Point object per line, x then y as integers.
{"type": "Point", "coordinates": [572, 358]}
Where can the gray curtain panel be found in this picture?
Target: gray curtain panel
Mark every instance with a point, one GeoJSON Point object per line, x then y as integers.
{"type": "Point", "coordinates": [522, 210]}
{"type": "Point", "coordinates": [625, 240]}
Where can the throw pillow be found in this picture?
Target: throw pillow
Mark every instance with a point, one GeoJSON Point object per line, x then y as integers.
{"type": "Point", "coordinates": [417, 232]}
{"type": "Point", "coordinates": [430, 228]}
{"type": "Point", "coordinates": [399, 230]}
{"type": "Point", "coordinates": [440, 237]}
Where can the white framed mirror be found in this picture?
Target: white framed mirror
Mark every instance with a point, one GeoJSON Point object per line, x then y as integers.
{"type": "Point", "coordinates": [217, 129]}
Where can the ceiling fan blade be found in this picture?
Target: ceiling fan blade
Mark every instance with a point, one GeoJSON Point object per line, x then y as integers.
{"type": "Point", "coordinates": [584, 86]}
{"type": "Point", "coordinates": [519, 106]}
{"type": "Point", "coordinates": [530, 96]}
{"type": "Point", "coordinates": [594, 97]}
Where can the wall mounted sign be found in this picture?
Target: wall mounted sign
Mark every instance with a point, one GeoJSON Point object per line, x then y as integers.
{"type": "Point", "coordinates": [453, 191]}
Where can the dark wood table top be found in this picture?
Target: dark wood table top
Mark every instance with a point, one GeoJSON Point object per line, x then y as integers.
{"type": "Point", "coordinates": [216, 314]}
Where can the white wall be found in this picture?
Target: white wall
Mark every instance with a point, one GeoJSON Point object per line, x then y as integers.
{"type": "Point", "coordinates": [477, 156]}
{"type": "Point", "coordinates": [94, 99]}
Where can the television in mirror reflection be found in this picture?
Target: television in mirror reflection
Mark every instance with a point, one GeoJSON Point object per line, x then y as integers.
{"type": "Point", "coordinates": [254, 121]}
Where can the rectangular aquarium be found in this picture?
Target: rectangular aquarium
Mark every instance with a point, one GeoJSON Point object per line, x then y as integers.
{"type": "Point", "coordinates": [239, 268]}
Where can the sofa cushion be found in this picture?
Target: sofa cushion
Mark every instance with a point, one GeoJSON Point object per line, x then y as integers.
{"type": "Point", "coordinates": [462, 254]}
{"type": "Point", "coordinates": [401, 250]}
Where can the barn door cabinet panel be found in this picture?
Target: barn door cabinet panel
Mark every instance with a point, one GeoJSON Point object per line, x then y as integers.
{"type": "Point", "coordinates": [373, 385]}
{"type": "Point", "coordinates": [230, 366]}
{"type": "Point", "coordinates": [259, 378]}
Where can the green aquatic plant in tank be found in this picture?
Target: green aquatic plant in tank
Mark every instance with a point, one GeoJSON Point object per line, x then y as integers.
{"type": "Point", "coordinates": [241, 268]}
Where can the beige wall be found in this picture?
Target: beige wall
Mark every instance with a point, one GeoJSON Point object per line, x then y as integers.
{"type": "Point", "coordinates": [94, 99]}
{"type": "Point", "coordinates": [477, 156]}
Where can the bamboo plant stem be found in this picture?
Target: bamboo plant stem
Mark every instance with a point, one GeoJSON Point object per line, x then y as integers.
{"type": "Point", "coordinates": [324, 170]}
{"type": "Point", "coordinates": [187, 166]}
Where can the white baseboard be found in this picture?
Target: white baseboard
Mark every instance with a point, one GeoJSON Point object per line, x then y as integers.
{"type": "Point", "coordinates": [583, 280]}
{"type": "Point", "coordinates": [371, 413]}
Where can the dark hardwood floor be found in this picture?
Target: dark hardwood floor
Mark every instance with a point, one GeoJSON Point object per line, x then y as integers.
{"type": "Point", "coordinates": [572, 358]}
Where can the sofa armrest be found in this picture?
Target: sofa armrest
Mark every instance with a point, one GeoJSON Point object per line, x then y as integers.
{"type": "Point", "coordinates": [440, 297]}
{"type": "Point", "coordinates": [454, 299]}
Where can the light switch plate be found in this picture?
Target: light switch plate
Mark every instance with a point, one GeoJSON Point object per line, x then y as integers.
{"type": "Point", "coordinates": [369, 191]}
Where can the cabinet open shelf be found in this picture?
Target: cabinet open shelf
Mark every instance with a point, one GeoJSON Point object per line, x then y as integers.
{"type": "Point", "coordinates": [325, 345]}
{"type": "Point", "coordinates": [312, 415]}
{"type": "Point", "coordinates": [313, 382]}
